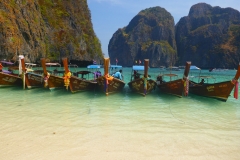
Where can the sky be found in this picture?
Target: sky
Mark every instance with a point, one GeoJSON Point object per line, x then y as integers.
{"type": "Point", "coordinates": [110, 15]}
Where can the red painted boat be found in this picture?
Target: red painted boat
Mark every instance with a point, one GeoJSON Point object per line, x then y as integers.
{"type": "Point", "coordinates": [11, 76]}
{"type": "Point", "coordinates": [220, 91]}
{"type": "Point", "coordinates": [32, 80]}
{"type": "Point", "coordinates": [52, 81]}
{"type": "Point", "coordinates": [177, 87]}
{"type": "Point", "coordinates": [142, 85]}
{"type": "Point", "coordinates": [107, 83]}
{"type": "Point", "coordinates": [75, 83]}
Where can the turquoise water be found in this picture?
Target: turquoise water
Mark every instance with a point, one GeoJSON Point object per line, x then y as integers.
{"type": "Point", "coordinates": [40, 124]}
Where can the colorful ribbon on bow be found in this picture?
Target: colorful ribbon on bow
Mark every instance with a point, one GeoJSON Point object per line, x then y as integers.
{"type": "Point", "coordinates": [46, 79]}
{"type": "Point", "coordinates": [145, 84]}
{"type": "Point", "coordinates": [97, 74]}
{"type": "Point", "coordinates": [66, 78]}
{"type": "Point", "coordinates": [107, 79]}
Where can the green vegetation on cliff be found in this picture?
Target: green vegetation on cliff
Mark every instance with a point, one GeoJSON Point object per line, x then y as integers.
{"type": "Point", "coordinates": [209, 37]}
{"type": "Point", "coordinates": [150, 34]}
{"type": "Point", "coordinates": [48, 28]}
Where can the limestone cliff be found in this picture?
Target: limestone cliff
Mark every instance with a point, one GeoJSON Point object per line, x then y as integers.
{"type": "Point", "coordinates": [150, 34]}
{"type": "Point", "coordinates": [209, 37]}
{"type": "Point", "coordinates": [47, 28]}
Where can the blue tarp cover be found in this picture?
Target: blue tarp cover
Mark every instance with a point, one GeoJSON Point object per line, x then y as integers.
{"type": "Point", "coordinates": [115, 66]}
{"type": "Point", "coordinates": [138, 68]}
{"type": "Point", "coordinates": [194, 68]}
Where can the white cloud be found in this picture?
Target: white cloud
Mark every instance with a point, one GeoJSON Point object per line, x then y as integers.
{"type": "Point", "coordinates": [113, 2]}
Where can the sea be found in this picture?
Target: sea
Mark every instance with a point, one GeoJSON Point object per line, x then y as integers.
{"type": "Point", "coordinates": [41, 124]}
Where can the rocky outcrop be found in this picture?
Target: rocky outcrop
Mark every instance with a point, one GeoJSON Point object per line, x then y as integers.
{"type": "Point", "coordinates": [209, 37]}
{"type": "Point", "coordinates": [149, 35]}
{"type": "Point", "coordinates": [51, 29]}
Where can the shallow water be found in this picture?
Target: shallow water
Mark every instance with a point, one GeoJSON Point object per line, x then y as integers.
{"type": "Point", "coordinates": [40, 124]}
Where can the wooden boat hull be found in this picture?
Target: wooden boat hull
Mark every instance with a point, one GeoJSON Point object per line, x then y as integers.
{"type": "Point", "coordinates": [220, 91]}
{"type": "Point", "coordinates": [34, 80]}
{"type": "Point", "coordinates": [172, 87]}
{"type": "Point", "coordinates": [137, 86]}
{"type": "Point", "coordinates": [114, 85]}
{"type": "Point", "coordinates": [78, 84]}
{"type": "Point", "coordinates": [10, 80]}
{"type": "Point", "coordinates": [55, 82]}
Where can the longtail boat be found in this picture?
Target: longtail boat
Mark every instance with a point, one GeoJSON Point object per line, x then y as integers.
{"type": "Point", "coordinates": [107, 83]}
{"type": "Point", "coordinates": [52, 81]}
{"type": "Point", "coordinates": [220, 90]}
{"type": "Point", "coordinates": [76, 83]}
{"type": "Point", "coordinates": [12, 76]}
{"type": "Point", "coordinates": [114, 68]}
{"type": "Point", "coordinates": [142, 85]}
{"type": "Point", "coordinates": [31, 78]}
{"type": "Point", "coordinates": [177, 87]}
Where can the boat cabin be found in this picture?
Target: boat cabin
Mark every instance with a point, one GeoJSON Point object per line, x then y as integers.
{"type": "Point", "coordinates": [200, 79]}
{"type": "Point", "coordinates": [203, 79]}
{"type": "Point", "coordinates": [58, 71]}
{"type": "Point", "coordinates": [114, 68]}
{"type": "Point", "coordinates": [137, 72]}
{"type": "Point", "coordinates": [12, 69]}
{"type": "Point", "coordinates": [29, 66]}
{"type": "Point", "coordinates": [166, 78]}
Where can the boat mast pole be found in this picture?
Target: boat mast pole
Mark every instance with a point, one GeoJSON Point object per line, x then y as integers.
{"type": "Point", "coordinates": [65, 64]}
{"type": "Point", "coordinates": [43, 62]}
{"type": "Point", "coordinates": [23, 72]}
{"type": "Point", "coordinates": [146, 62]}
{"type": "Point", "coordinates": [186, 70]}
{"type": "Point", "coordinates": [106, 72]}
{"type": "Point", "coordinates": [238, 72]}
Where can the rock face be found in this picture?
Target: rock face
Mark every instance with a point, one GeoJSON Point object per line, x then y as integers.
{"type": "Point", "coordinates": [209, 37]}
{"type": "Point", "coordinates": [149, 35]}
{"type": "Point", "coordinates": [52, 29]}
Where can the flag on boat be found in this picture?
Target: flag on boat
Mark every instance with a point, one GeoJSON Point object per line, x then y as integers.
{"type": "Point", "coordinates": [116, 60]}
{"type": "Point", "coordinates": [139, 61]}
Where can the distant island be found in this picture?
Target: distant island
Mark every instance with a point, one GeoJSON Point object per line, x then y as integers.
{"type": "Point", "coordinates": [209, 37]}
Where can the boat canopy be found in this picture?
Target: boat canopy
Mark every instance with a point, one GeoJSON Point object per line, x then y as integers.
{"type": "Point", "coordinates": [194, 68]}
{"type": "Point", "coordinates": [115, 66]}
{"type": "Point", "coordinates": [173, 67]}
{"type": "Point", "coordinates": [138, 68]}
{"type": "Point", "coordinates": [93, 66]}
{"type": "Point", "coordinates": [6, 71]}
{"type": "Point", "coordinates": [30, 64]}
{"type": "Point", "coordinates": [5, 62]}
{"type": "Point", "coordinates": [72, 65]}
{"type": "Point", "coordinates": [53, 64]}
